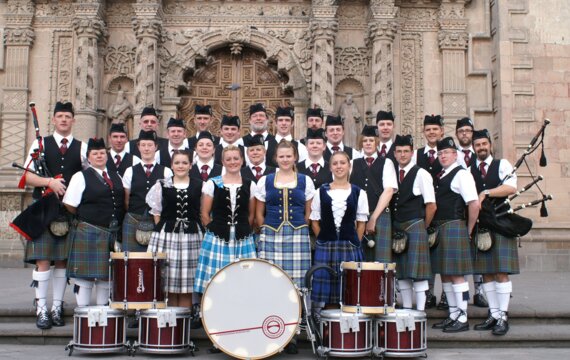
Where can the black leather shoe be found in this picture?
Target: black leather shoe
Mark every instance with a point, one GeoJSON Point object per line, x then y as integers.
{"type": "Point", "coordinates": [196, 320]}
{"type": "Point", "coordinates": [43, 320]}
{"type": "Point", "coordinates": [501, 328]}
{"type": "Point", "coordinates": [57, 316]}
{"type": "Point", "coordinates": [291, 349]}
{"type": "Point", "coordinates": [430, 300]}
{"type": "Point", "coordinates": [443, 305]}
{"type": "Point", "coordinates": [480, 301]}
{"type": "Point", "coordinates": [442, 324]}
{"type": "Point", "coordinates": [214, 350]}
{"type": "Point", "coordinates": [456, 326]}
{"type": "Point", "coordinates": [488, 324]}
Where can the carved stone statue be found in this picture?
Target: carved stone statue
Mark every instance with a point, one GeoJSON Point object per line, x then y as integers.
{"type": "Point", "coordinates": [121, 110]}
{"type": "Point", "coordinates": [349, 112]}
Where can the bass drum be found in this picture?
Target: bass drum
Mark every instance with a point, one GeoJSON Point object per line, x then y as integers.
{"type": "Point", "coordinates": [251, 309]}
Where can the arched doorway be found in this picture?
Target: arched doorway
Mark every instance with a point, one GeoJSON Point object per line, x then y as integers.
{"type": "Point", "coordinates": [230, 80]}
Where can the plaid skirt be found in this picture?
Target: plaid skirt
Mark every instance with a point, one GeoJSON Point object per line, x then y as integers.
{"type": "Point", "coordinates": [129, 233]}
{"type": "Point", "coordinates": [89, 250]}
{"type": "Point", "coordinates": [326, 288]}
{"type": "Point", "coordinates": [502, 257]}
{"type": "Point", "coordinates": [287, 248]}
{"type": "Point", "coordinates": [452, 256]}
{"type": "Point", "coordinates": [382, 250]}
{"type": "Point", "coordinates": [216, 253]}
{"type": "Point", "coordinates": [414, 263]}
{"type": "Point", "coordinates": [47, 247]}
{"type": "Point", "coordinates": [182, 252]}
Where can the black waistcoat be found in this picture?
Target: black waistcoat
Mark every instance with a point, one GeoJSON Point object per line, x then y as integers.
{"type": "Point", "coordinates": [134, 149]}
{"type": "Point", "coordinates": [369, 179]}
{"type": "Point", "coordinates": [246, 173]}
{"type": "Point", "coordinates": [181, 204]}
{"type": "Point", "coordinates": [404, 204]}
{"type": "Point", "coordinates": [347, 149]}
{"type": "Point", "coordinates": [324, 175]}
{"type": "Point", "coordinates": [450, 205]}
{"type": "Point", "coordinates": [223, 217]}
{"type": "Point", "coordinates": [215, 171]}
{"type": "Point", "coordinates": [100, 205]}
{"type": "Point", "coordinates": [126, 162]}
{"type": "Point", "coordinates": [422, 160]}
{"type": "Point", "coordinates": [347, 230]}
{"type": "Point", "coordinates": [140, 185]}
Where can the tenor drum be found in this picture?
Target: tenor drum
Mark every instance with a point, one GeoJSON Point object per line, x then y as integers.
{"type": "Point", "coordinates": [165, 331]}
{"type": "Point", "coordinates": [401, 334]}
{"type": "Point", "coordinates": [346, 334]}
{"type": "Point", "coordinates": [251, 309]}
{"type": "Point", "coordinates": [98, 329]}
{"type": "Point", "coordinates": [137, 280]}
{"type": "Point", "coordinates": [367, 287]}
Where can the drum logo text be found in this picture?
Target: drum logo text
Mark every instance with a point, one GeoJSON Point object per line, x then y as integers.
{"type": "Point", "coordinates": [273, 327]}
{"type": "Point", "coordinates": [140, 287]}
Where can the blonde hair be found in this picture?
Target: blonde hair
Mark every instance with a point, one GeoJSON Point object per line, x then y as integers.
{"type": "Point", "coordinates": [229, 148]}
{"type": "Point", "coordinates": [285, 144]}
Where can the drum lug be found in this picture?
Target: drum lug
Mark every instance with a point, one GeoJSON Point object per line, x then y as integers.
{"type": "Point", "coordinates": [378, 352]}
{"type": "Point", "coordinates": [69, 347]}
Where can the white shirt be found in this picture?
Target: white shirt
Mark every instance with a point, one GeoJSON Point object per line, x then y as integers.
{"type": "Point", "coordinates": [355, 154]}
{"type": "Point", "coordinates": [423, 183]}
{"type": "Point", "coordinates": [57, 137]}
{"type": "Point", "coordinates": [389, 179]}
{"type": "Point", "coordinates": [154, 195]}
{"type": "Point", "coordinates": [128, 176]}
{"type": "Point", "coordinates": [260, 188]}
{"type": "Point", "coordinates": [462, 184]}
{"type": "Point", "coordinates": [461, 156]}
{"type": "Point", "coordinates": [76, 187]}
{"type": "Point", "coordinates": [171, 149]}
{"type": "Point", "coordinates": [388, 145]}
{"type": "Point", "coordinates": [209, 186]}
{"type": "Point", "coordinates": [113, 153]}
{"type": "Point", "coordinates": [199, 165]}
{"type": "Point", "coordinates": [427, 148]}
{"type": "Point", "coordinates": [224, 144]}
{"type": "Point", "coordinates": [339, 197]}
{"type": "Point", "coordinates": [309, 162]}
{"type": "Point", "coordinates": [505, 168]}
{"type": "Point", "coordinates": [262, 166]}
{"type": "Point", "coordinates": [301, 148]}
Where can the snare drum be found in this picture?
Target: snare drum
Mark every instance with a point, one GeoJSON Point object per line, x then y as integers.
{"type": "Point", "coordinates": [367, 287]}
{"type": "Point", "coordinates": [251, 309]}
{"type": "Point", "coordinates": [401, 334]}
{"type": "Point", "coordinates": [165, 331]}
{"type": "Point", "coordinates": [137, 280]}
{"type": "Point", "coordinates": [98, 329]}
{"type": "Point", "coordinates": [346, 334]}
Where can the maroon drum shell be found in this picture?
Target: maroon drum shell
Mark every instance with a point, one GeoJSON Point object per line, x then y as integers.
{"type": "Point", "coordinates": [150, 279]}
{"type": "Point", "coordinates": [374, 290]}
{"type": "Point", "coordinates": [151, 333]}
{"type": "Point", "coordinates": [409, 340]}
{"type": "Point", "coordinates": [351, 341]}
{"type": "Point", "coordinates": [112, 334]}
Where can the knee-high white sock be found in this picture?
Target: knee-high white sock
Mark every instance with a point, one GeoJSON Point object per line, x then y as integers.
{"type": "Point", "coordinates": [461, 292]}
{"type": "Point", "coordinates": [420, 288]}
{"type": "Point", "coordinates": [504, 291]}
{"type": "Point", "coordinates": [82, 291]}
{"type": "Point", "coordinates": [406, 291]}
{"type": "Point", "coordinates": [448, 289]}
{"type": "Point", "coordinates": [41, 284]}
{"type": "Point", "coordinates": [102, 291]}
{"type": "Point", "coordinates": [59, 285]}
{"type": "Point", "coordinates": [491, 293]}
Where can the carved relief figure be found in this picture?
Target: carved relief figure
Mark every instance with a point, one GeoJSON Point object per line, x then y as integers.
{"type": "Point", "coordinates": [121, 110]}
{"type": "Point", "coordinates": [350, 114]}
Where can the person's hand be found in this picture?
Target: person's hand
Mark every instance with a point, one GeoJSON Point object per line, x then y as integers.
{"type": "Point", "coordinates": [57, 185]}
{"type": "Point", "coordinates": [371, 226]}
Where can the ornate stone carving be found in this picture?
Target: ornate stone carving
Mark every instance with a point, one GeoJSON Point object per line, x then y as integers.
{"type": "Point", "coordinates": [15, 100]}
{"type": "Point", "coordinates": [411, 93]}
{"type": "Point", "coordinates": [419, 19]}
{"type": "Point", "coordinates": [147, 27]}
{"type": "Point", "coordinates": [13, 133]}
{"type": "Point", "coordinates": [88, 27]}
{"type": "Point", "coordinates": [120, 60]}
{"type": "Point", "coordinates": [455, 40]}
{"type": "Point", "coordinates": [324, 29]}
{"type": "Point", "coordinates": [20, 7]}
{"type": "Point", "coordinates": [300, 42]}
{"type": "Point", "coordinates": [382, 30]}
{"type": "Point", "coordinates": [62, 55]}
{"type": "Point", "coordinates": [237, 35]}
{"type": "Point", "coordinates": [19, 36]}
{"type": "Point", "coordinates": [54, 9]}
{"type": "Point", "coordinates": [351, 61]}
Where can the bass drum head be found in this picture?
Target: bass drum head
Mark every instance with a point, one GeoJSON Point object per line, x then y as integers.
{"type": "Point", "coordinates": [251, 309]}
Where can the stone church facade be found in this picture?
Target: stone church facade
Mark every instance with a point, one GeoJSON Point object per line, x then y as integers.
{"type": "Point", "coordinates": [506, 64]}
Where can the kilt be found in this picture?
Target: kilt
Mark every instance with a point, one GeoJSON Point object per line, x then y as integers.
{"type": "Point", "coordinates": [129, 233]}
{"type": "Point", "coordinates": [414, 263]}
{"type": "Point", "coordinates": [325, 288]}
{"type": "Point", "coordinates": [287, 248]}
{"type": "Point", "coordinates": [47, 247]}
{"type": "Point", "coordinates": [216, 253]}
{"type": "Point", "coordinates": [89, 250]}
{"type": "Point", "coordinates": [382, 250]}
{"type": "Point", "coordinates": [182, 252]}
{"type": "Point", "coordinates": [502, 257]}
{"type": "Point", "coordinates": [452, 256]}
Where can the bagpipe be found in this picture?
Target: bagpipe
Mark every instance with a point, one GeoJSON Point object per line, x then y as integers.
{"type": "Point", "coordinates": [498, 215]}
{"type": "Point", "coordinates": [47, 212]}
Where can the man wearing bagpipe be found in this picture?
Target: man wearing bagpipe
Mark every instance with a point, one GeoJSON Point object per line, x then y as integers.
{"type": "Point", "coordinates": [51, 162]}
{"type": "Point", "coordinates": [498, 256]}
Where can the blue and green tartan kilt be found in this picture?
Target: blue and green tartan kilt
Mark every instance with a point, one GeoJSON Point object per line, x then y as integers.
{"type": "Point", "coordinates": [129, 233]}
{"type": "Point", "coordinates": [325, 287]}
{"type": "Point", "coordinates": [502, 257]}
{"type": "Point", "coordinates": [382, 250]}
{"type": "Point", "coordinates": [288, 248]}
{"type": "Point", "coordinates": [452, 256]}
{"type": "Point", "coordinates": [216, 253]}
{"type": "Point", "coordinates": [89, 252]}
{"type": "Point", "coordinates": [414, 263]}
{"type": "Point", "coordinates": [47, 247]}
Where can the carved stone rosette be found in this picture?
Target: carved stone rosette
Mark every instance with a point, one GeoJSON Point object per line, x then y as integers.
{"type": "Point", "coordinates": [324, 33]}
{"type": "Point", "coordinates": [381, 35]}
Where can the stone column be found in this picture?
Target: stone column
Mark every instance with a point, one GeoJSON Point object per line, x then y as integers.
{"type": "Point", "coordinates": [324, 27]}
{"type": "Point", "coordinates": [89, 29]}
{"type": "Point", "coordinates": [382, 29]}
{"type": "Point", "coordinates": [147, 26]}
{"type": "Point", "coordinates": [453, 40]}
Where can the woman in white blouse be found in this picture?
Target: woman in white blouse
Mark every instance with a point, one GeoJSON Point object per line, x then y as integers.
{"type": "Point", "coordinates": [338, 217]}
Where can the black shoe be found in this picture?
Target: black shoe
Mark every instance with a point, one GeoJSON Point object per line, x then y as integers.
{"type": "Point", "coordinates": [430, 300]}
{"type": "Point", "coordinates": [442, 324]}
{"type": "Point", "coordinates": [480, 301]}
{"type": "Point", "coordinates": [291, 349]}
{"type": "Point", "coordinates": [502, 327]}
{"type": "Point", "coordinates": [443, 305]}
{"type": "Point", "coordinates": [43, 320]}
{"type": "Point", "coordinates": [214, 350]}
{"type": "Point", "coordinates": [456, 326]}
{"type": "Point", "coordinates": [196, 320]}
{"type": "Point", "coordinates": [488, 324]}
{"type": "Point", "coordinates": [57, 316]}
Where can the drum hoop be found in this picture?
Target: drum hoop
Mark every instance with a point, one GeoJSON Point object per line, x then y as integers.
{"type": "Point", "coordinates": [152, 313]}
{"type": "Point", "coordinates": [111, 312]}
{"type": "Point", "coordinates": [418, 315]}
{"type": "Point", "coordinates": [137, 255]}
{"type": "Point", "coordinates": [353, 265]}
{"type": "Point", "coordinates": [335, 315]}
{"type": "Point", "coordinates": [234, 263]}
